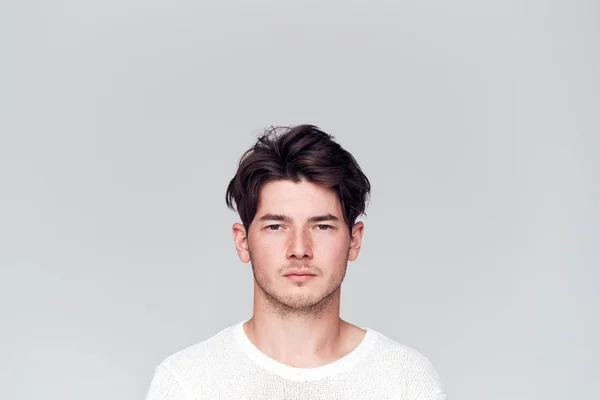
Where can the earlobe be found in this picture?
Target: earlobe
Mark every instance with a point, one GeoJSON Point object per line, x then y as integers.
{"type": "Point", "coordinates": [240, 239]}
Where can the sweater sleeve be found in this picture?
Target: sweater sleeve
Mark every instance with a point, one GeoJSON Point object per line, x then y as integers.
{"type": "Point", "coordinates": [164, 386]}
{"type": "Point", "coordinates": [426, 383]}
{"type": "Point", "coordinates": [440, 396]}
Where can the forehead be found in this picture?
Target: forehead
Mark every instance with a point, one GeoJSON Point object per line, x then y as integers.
{"type": "Point", "coordinates": [298, 198]}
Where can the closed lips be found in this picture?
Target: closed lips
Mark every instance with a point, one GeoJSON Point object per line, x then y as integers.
{"type": "Point", "coordinates": [299, 273]}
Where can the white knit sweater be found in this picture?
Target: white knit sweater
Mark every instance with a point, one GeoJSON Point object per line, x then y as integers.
{"type": "Point", "coordinates": [229, 366]}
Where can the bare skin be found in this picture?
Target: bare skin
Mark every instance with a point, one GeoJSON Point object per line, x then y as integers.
{"type": "Point", "coordinates": [299, 227]}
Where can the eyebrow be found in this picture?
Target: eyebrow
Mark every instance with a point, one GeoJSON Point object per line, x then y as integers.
{"type": "Point", "coordinates": [285, 218]}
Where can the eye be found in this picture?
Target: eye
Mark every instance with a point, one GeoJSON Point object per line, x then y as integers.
{"type": "Point", "coordinates": [324, 227]}
{"type": "Point", "coordinates": [273, 227]}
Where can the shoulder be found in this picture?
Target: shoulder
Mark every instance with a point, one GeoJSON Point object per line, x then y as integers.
{"type": "Point", "coordinates": [401, 356]}
{"type": "Point", "coordinates": [201, 359]}
{"type": "Point", "coordinates": [409, 366]}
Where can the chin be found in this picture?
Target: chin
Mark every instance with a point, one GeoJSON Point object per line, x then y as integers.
{"type": "Point", "coordinates": [299, 302]}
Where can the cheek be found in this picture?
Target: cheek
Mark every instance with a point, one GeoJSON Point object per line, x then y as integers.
{"type": "Point", "coordinates": [267, 251]}
{"type": "Point", "coordinates": [332, 248]}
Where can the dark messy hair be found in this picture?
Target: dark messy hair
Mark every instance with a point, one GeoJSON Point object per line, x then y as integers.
{"type": "Point", "coordinates": [301, 152]}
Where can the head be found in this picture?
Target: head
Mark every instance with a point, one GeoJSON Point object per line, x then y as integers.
{"type": "Point", "coordinates": [298, 194]}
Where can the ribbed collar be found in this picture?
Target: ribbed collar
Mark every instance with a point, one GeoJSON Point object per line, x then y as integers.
{"type": "Point", "coordinates": [303, 374]}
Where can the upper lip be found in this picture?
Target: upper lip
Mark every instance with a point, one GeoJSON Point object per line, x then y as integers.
{"type": "Point", "coordinates": [299, 272]}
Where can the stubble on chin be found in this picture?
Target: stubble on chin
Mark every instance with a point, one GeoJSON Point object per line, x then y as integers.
{"type": "Point", "coordinates": [307, 306]}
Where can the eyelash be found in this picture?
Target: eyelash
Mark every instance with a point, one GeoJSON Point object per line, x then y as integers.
{"type": "Point", "coordinates": [328, 227]}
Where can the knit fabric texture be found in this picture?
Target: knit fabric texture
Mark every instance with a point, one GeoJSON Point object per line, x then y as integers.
{"type": "Point", "coordinates": [228, 366]}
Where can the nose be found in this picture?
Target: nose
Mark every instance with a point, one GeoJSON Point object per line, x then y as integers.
{"type": "Point", "coordinates": [300, 246]}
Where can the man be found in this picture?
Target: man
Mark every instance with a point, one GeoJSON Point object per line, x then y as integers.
{"type": "Point", "coordinates": [298, 194]}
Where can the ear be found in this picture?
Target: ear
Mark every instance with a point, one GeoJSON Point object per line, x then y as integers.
{"type": "Point", "coordinates": [355, 240]}
{"type": "Point", "coordinates": [240, 238]}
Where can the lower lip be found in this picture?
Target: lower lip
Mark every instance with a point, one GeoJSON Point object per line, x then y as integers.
{"type": "Point", "coordinates": [300, 278]}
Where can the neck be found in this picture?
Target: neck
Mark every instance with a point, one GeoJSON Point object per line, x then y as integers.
{"type": "Point", "coordinates": [299, 339]}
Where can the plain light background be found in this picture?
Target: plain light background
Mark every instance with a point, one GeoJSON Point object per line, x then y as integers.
{"type": "Point", "coordinates": [477, 123]}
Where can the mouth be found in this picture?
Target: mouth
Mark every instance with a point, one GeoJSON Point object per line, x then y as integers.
{"type": "Point", "coordinates": [299, 276]}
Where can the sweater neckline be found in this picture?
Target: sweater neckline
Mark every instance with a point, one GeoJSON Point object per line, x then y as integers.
{"type": "Point", "coordinates": [303, 374]}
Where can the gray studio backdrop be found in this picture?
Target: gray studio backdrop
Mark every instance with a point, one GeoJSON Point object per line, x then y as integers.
{"type": "Point", "coordinates": [477, 122]}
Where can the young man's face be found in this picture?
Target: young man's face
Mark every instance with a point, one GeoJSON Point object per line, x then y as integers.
{"type": "Point", "coordinates": [299, 244]}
